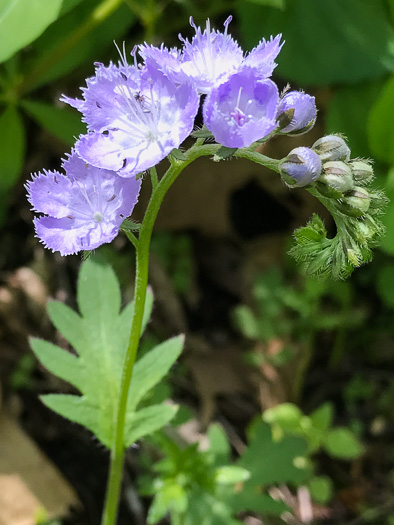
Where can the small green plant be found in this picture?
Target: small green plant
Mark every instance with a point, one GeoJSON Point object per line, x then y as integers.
{"type": "Point", "coordinates": [320, 436]}
{"type": "Point", "coordinates": [207, 487]}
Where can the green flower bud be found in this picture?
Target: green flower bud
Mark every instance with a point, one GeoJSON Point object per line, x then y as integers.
{"type": "Point", "coordinates": [337, 175]}
{"type": "Point", "coordinates": [355, 203]}
{"type": "Point", "coordinates": [362, 170]}
{"type": "Point", "coordinates": [332, 147]}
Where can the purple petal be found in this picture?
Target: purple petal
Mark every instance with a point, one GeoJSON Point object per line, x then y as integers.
{"type": "Point", "coordinates": [241, 110]}
{"type": "Point", "coordinates": [262, 57]}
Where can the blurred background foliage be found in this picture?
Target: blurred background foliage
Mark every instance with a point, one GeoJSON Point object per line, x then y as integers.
{"type": "Point", "coordinates": [320, 353]}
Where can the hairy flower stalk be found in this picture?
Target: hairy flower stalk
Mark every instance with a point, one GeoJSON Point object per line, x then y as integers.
{"type": "Point", "coordinates": [139, 114]}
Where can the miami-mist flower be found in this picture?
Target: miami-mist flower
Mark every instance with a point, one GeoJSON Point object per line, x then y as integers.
{"type": "Point", "coordinates": [83, 208]}
{"type": "Point", "coordinates": [211, 56]}
{"type": "Point", "coordinates": [135, 117]}
{"type": "Point", "coordinates": [242, 110]}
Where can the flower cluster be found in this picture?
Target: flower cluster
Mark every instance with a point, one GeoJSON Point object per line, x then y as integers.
{"type": "Point", "coordinates": [137, 113]}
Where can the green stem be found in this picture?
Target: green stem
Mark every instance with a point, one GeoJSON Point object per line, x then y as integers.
{"type": "Point", "coordinates": [141, 282]}
{"type": "Point", "coordinates": [96, 17]}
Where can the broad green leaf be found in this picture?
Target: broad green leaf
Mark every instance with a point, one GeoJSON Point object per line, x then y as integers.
{"type": "Point", "coordinates": [342, 443]}
{"type": "Point", "coordinates": [146, 421]}
{"type": "Point", "coordinates": [387, 242]}
{"type": "Point", "coordinates": [385, 285]}
{"type": "Point", "coordinates": [279, 4]}
{"type": "Point", "coordinates": [152, 367]}
{"type": "Point", "coordinates": [348, 113]}
{"type": "Point", "coordinates": [231, 474]}
{"type": "Point", "coordinates": [63, 123]}
{"type": "Point", "coordinates": [67, 5]}
{"type": "Point", "coordinates": [257, 501]}
{"type": "Point", "coordinates": [100, 337]}
{"type": "Point", "coordinates": [12, 153]}
{"type": "Point", "coordinates": [326, 41]}
{"type": "Point", "coordinates": [321, 489]}
{"type": "Point", "coordinates": [380, 125]}
{"type": "Point", "coordinates": [21, 21]}
{"type": "Point", "coordinates": [271, 461]}
{"type": "Point", "coordinates": [79, 37]}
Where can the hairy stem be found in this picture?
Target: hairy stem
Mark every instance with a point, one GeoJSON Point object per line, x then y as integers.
{"type": "Point", "coordinates": [141, 282]}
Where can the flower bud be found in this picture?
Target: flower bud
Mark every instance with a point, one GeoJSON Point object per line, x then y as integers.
{"type": "Point", "coordinates": [362, 170]}
{"type": "Point", "coordinates": [337, 175]}
{"type": "Point", "coordinates": [296, 113]}
{"type": "Point", "coordinates": [355, 203]}
{"type": "Point", "coordinates": [332, 147]}
{"type": "Point", "coordinates": [301, 167]}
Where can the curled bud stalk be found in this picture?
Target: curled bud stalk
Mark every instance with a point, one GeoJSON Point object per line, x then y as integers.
{"type": "Point", "coordinates": [342, 189]}
{"type": "Point", "coordinates": [296, 113]}
{"type": "Point", "coordinates": [362, 171]}
{"type": "Point", "coordinates": [300, 168]}
{"type": "Point", "coordinates": [332, 147]}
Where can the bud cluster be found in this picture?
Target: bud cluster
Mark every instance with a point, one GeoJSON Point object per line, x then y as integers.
{"type": "Point", "coordinates": [343, 179]}
{"type": "Point", "coordinates": [342, 185]}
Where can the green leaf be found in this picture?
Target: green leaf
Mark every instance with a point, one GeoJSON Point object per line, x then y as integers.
{"type": "Point", "coordinates": [326, 42]}
{"type": "Point", "coordinates": [78, 410]}
{"type": "Point", "coordinates": [271, 461]}
{"type": "Point", "coordinates": [224, 153]}
{"type": "Point", "coordinates": [67, 5]}
{"type": "Point", "coordinates": [342, 443]}
{"type": "Point", "coordinates": [287, 415]}
{"type": "Point", "coordinates": [231, 474]}
{"type": "Point", "coordinates": [322, 417]}
{"type": "Point", "coordinates": [58, 361]}
{"type": "Point", "coordinates": [169, 496]}
{"type": "Point", "coordinates": [152, 367]}
{"type": "Point", "coordinates": [22, 21]}
{"type": "Point", "coordinates": [385, 285]}
{"type": "Point", "coordinates": [380, 125]}
{"type": "Point", "coordinates": [146, 421]}
{"type": "Point", "coordinates": [321, 489]}
{"type": "Point", "coordinates": [100, 337]}
{"type": "Point", "coordinates": [219, 446]}
{"type": "Point", "coordinates": [12, 153]}
{"type": "Point", "coordinates": [62, 122]}
{"type": "Point", "coordinates": [246, 321]}
{"type": "Point", "coordinates": [348, 111]}
{"type": "Point", "coordinates": [76, 41]}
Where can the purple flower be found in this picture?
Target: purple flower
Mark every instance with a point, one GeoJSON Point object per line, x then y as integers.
{"type": "Point", "coordinates": [135, 118]}
{"type": "Point", "coordinates": [296, 112]}
{"type": "Point", "coordinates": [211, 57]}
{"type": "Point", "coordinates": [83, 208]}
{"type": "Point", "coordinates": [301, 167]}
{"type": "Point", "coordinates": [242, 109]}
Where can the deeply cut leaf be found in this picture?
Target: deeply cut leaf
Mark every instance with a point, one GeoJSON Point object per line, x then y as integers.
{"type": "Point", "coordinates": [100, 337]}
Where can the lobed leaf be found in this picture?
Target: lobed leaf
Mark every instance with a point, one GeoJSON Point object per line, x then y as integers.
{"type": "Point", "coordinates": [100, 337]}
